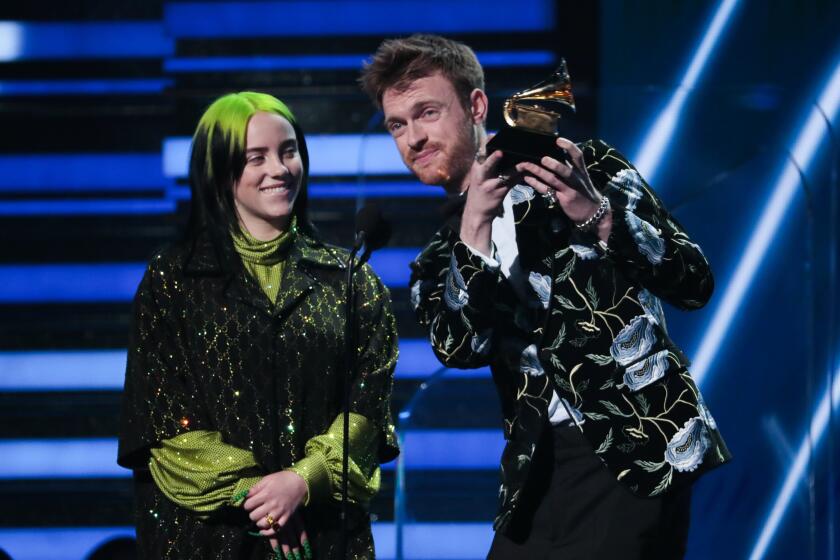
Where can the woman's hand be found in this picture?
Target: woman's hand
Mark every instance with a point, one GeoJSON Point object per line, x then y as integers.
{"type": "Point", "coordinates": [271, 504]}
{"type": "Point", "coordinates": [272, 500]}
{"type": "Point", "coordinates": [292, 539]}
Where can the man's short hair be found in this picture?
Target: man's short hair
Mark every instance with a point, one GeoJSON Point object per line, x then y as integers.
{"type": "Point", "coordinates": [399, 62]}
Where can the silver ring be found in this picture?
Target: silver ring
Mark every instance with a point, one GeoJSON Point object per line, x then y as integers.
{"type": "Point", "coordinates": [503, 178]}
{"type": "Point", "coordinates": [550, 201]}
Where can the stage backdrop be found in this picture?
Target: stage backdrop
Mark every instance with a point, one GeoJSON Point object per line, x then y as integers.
{"type": "Point", "coordinates": [729, 108]}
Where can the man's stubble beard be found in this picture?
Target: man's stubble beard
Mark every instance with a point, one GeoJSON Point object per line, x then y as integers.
{"type": "Point", "coordinates": [453, 173]}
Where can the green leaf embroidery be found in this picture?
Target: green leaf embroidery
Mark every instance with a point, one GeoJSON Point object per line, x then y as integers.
{"type": "Point", "coordinates": [607, 384]}
{"type": "Point", "coordinates": [600, 359]}
{"type": "Point", "coordinates": [567, 271]}
{"type": "Point", "coordinates": [563, 383]}
{"type": "Point", "coordinates": [649, 466]}
{"type": "Point", "coordinates": [606, 443]}
{"type": "Point", "coordinates": [558, 340]}
{"type": "Point", "coordinates": [643, 404]}
{"type": "Point", "coordinates": [449, 342]}
{"type": "Point", "coordinates": [612, 409]}
{"type": "Point", "coordinates": [663, 484]}
{"type": "Point", "coordinates": [596, 416]}
{"type": "Point", "coordinates": [566, 303]}
{"type": "Point", "coordinates": [555, 361]}
{"type": "Point", "coordinates": [593, 296]}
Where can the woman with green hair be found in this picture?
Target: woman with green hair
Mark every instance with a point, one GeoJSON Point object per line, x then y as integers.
{"type": "Point", "coordinates": [232, 417]}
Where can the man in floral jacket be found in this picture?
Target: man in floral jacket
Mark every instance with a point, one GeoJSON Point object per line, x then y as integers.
{"type": "Point", "coordinates": [559, 293]}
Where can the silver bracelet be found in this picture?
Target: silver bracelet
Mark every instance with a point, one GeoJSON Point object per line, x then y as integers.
{"type": "Point", "coordinates": [599, 214]}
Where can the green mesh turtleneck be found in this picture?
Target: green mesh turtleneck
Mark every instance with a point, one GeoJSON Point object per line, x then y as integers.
{"type": "Point", "coordinates": [264, 260]}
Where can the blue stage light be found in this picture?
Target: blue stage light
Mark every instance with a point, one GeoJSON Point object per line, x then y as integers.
{"type": "Point", "coordinates": [374, 190]}
{"type": "Point", "coordinates": [354, 17]}
{"type": "Point", "coordinates": [60, 458]}
{"type": "Point", "coordinates": [392, 265]}
{"type": "Point", "coordinates": [43, 173]}
{"type": "Point", "coordinates": [49, 543]}
{"type": "Point", "coordinates": [62, 370]}
{"type": "Point", "coordinates": [95, 207]}
{"type": "Point", "coordinates": [62, 41]}
{"type": "Point", "coordinates": [433, 541]}
{"type": "Point", "coordinates": [64, 283]}
{"type": "Point", "coordinates": [330, 155]}
{"type": "Point", "coordinates": [450, 449]}
{"type": "Point", "coordinates": [793, 479]}
{"type": "Point", "coordinates": [805, 148]}
{"type": "Point", "coordinates": [83, 87]}
{"type": "Point", "coordinates": [264, 63]}
{"type": "Point", "coordinates": [661, 134]}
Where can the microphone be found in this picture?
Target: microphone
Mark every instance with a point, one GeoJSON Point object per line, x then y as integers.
{"type": "Point", "coordinates": [373, 231]}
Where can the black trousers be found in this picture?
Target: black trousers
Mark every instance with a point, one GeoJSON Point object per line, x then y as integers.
{"type": "Point", "coordinates": [574, 509]}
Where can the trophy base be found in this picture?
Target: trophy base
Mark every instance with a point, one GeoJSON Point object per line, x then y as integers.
{"type": "Point", "coordinates": [519, 145]}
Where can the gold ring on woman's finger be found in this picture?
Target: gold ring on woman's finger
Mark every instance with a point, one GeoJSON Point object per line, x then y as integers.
{"type": "Point", "coordinates": [269, 520]}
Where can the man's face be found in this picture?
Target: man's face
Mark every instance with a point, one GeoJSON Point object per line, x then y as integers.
{"type": "Point", "coordinates": [434, 133]}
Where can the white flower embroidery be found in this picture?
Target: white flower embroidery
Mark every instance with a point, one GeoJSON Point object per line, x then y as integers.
{"type": "Point", "coordinates": [652, 306]}
{"type": "Point", "coordinates": [686, 449]}
{"type": "Point", "coordinates": [633, 341]}
{"type": "Point", "coordinates": [647, 238]}
{"type": "Point", "coordinates": [542, 285]}
{"type": "Point", "coordinates": [455, 295]}
{"type": "Point", "coordinates": [529, 362]}
{"type": "Point", "coordinates": [583, 252]}
{"type": "Point", "coordinates": [629, 182]}
{"type": "Point", "coordinates": [705, 414]}
{"type": "Point", "coordinates": [521, 193]}
{"type": "Point", "coordinates": [643, 373]}
{"type": "Point", "coordinates": [415, 295]}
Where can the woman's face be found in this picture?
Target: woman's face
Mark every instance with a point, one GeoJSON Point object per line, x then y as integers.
{"type": "Point", "coordinates": [265, 193]}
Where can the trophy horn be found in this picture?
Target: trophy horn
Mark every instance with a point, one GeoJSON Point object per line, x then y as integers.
{"type": "Point", "coordinates": [539, 107]}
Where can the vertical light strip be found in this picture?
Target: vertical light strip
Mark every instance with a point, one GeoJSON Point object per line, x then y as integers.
{"type": "Point", "coordinates": [653, 147]}
{"type": "Point", "coordinates": [806, 146]}
{"type": "Point", "coordinates": [819, 423]}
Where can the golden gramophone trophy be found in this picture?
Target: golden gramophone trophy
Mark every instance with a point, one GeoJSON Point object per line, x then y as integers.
{"type": "Point", "coordinates": [531, 119]}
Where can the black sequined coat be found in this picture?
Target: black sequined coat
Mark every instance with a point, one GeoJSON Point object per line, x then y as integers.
{"type": "Point", "coordinates": [209, 351]}
{"type": "Point", "coordinates": [592, 329]}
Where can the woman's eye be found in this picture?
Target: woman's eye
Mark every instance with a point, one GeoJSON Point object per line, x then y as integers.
{"type": "Point", "coordinates": [256, 159]}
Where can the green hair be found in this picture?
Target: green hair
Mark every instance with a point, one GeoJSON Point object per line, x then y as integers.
{"type": "Point", "coordinates": [218, 159]}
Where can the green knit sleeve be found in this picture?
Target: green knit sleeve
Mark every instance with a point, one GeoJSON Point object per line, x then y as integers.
{"type": "Point", "coordinates": [321, 467]}
{"type": "Point", "coordinates": [200, 472]}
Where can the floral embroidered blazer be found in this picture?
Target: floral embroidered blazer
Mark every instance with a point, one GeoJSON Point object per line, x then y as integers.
{"type": "Point", "coordinates": [592, 330]}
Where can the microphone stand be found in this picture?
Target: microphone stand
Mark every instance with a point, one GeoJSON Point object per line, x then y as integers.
{"type": "Point", "coordinates": [351, 374]}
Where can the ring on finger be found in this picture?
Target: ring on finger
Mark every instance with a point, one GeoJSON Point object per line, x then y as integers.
{"type": "Point", "coordinates": [550, 201]}
{"type": "Point", "coordinates": [503, 178]}
{"type": "Point", "coordinates": [269, 520]}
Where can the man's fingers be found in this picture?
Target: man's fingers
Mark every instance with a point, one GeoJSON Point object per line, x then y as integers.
{"type": "Point", "coordinates": [538, 186]}
{"type": "Point", "coordinates": [572, 149]}
{"type": "Point", "coordinates": [547, 177]}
